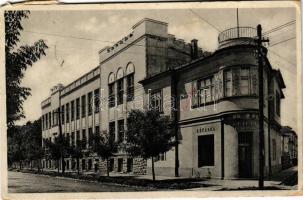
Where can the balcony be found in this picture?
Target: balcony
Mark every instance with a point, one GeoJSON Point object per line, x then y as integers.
{"type": "Point", "coordinates": [237, 36]}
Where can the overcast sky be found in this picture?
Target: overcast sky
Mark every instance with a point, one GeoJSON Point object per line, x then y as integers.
{"type": "Point", "coordinates": [107, 26]}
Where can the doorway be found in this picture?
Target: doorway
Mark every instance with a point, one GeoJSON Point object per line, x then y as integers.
{"type": "Point", "coordinates": [245, 154]}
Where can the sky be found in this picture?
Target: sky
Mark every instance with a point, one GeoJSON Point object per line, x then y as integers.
{"type": "Point", "coordinates": [104, 27]}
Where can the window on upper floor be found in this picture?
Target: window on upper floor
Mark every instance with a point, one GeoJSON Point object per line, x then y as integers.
{"type": "Point", "coordinates": [83, 105]}
{"type": "Point", "coordinates": [130, 87]}
{"type": "Point", "coordinates": [244, 81]}
{"type": "Point", "coordinates": [50, 119]}
{"type": "Point", "coordinates": [111, 95]}
{"type": "Point", "coordinates": [77, 108]}
{"type": "Point", "coordinates": [62, 114]}
{"type": "Point", "coordinates": [120, 130]}
{"type": "Point", "coordinates": [90, 103]}
{"type": "Point", "coordinates": [97, 100]}
{"type": "Point", "coordinates": [206, 90]}
{"type": "Point", "coordinates": [156, 101]}
{"type": "Point", "coordinates": [67, 112]}
{"type": "Point", "coordinates": [72, 105]}
{"type": "Point", "coordinates": [278, 103]}
{"type": "Point", "coordinates": [112, 129]}
{"type": "Point", "coordinates": [228, 83]}
{"type": "Point", "coordinates": [120, 91]}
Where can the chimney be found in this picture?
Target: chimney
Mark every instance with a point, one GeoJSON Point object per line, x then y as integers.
{"type": "Point", "coordinates": [194, 49]}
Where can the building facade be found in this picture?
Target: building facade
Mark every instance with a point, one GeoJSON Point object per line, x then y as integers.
{"type": "Point", "coordinates": [289, 147]}
{"type": "Point", "coordinates": [212, 99]}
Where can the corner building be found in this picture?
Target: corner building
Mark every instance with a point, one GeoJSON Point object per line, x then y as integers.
{"type": "Point", "coordinates": [215, 96]}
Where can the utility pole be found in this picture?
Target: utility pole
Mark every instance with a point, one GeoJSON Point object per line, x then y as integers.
{"type": "Point", "coordinates": [261, 105]}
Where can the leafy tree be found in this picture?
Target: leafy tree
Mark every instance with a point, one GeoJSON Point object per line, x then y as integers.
{"type": "Point", "coordinates": [16, 146]}
{"type": "Point", "coordinates": [18, 59]}
{"type": "Point", "coordinates": [148, 134]}
{"type": "Point", "coordinates": [57, 149]}
{"type": "Point", "coordinates": [77, 153]}
{"type": "Point", "coordinates": [104, 146]}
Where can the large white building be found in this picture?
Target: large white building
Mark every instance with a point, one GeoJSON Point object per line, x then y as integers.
{"type": "Point", "coordinates": [216, 116]}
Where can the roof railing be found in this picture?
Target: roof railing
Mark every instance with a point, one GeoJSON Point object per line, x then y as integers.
{"type": "Point", "coordinates": [237, 32]}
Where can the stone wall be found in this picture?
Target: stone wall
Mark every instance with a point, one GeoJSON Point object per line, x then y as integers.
{"type": "Point", "coordinates": [139, 166]}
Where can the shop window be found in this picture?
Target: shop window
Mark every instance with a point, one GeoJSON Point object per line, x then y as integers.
{"type": "Point", "coordinates": [130, 87]}
{"type": "Point", "coordinates": [111, 95]}
{"type": "Point", "coordinates": [244, 81]}
{"type": "Point", "coordinates": [206, 150]}
{"type": "Point", "coordinates": [227, 83]}
{"type": "Point", "coordinates": [90, 103]}
{"type": "Point", "coordinates": [274, 149]}
{"type": "Point", "coordinates": [77, 108]}
{"type": "Point", "coordinates": [120, 91]}
{"type": "Point", "coordinates": [120, 130]}
{"type": "Point", "coordinates": [97, 100]}
{"type": "Point", "coordinates": [156, 102]}
{"type": "Point", "coordinates": [83, 104]}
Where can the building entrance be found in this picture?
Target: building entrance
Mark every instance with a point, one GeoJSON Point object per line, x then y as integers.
{"type": "Point", "coordinates": [245, 154]}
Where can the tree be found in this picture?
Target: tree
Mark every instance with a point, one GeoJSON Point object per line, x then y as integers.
{"type": "Point", "coordinates": [104, 146]}
{"type": "Point", "coordinates": [18, 59]}
{"type": "Point", "coordinates": [57, 149]}
{"type": "Point", "coordinates": [77, 153]}
{"type": "Point", "coordinates": [148, 134]}
{"type": "Point", "coordinates": [16, 145]}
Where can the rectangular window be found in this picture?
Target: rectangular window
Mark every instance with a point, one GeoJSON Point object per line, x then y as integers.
{"type": "Point", "coordinates": [206, 150]}
{"type": "Point", "coordinates": [112, 129]}
{"type": "Point", "coordinates": [90, 136]}
{"type": "Point", "coordinates": [130, 87]}
{"type": "Point", "coordinates": [83, 102]}
{"type": "Point", "coordinates": [90, 103]}
{"type": "Point", "coordinates": [78, 138]}
{"type": "Point", "coordinates": [68, 138]}
{"type": "Point", "coordinates": [84, 139]}
{"type": "Point", "coordinates": [120, 130]}
{"type": "Point", "coordinates": [73, 138]}
{"type": "Point", "coordinates": [111, 95]}
{"type": "Point", "coordinates": [72, 105]}
{"type": "Point", "coordinates": [97, 130]}
{"type": "Point", "coordinates": [67, 112]}
{"type": "Point", "coordinates": [78, 108]}
{"type": "Point", "coordinates": [62, 114]}
{"type": "Point", "coordinates": [205, 90]}
{"type": "Point", "coordinates": [228, 83]}
{"type": "Point", "coordinates": [97, 100]}
{"type": "Point", "coordinates": [120, 91]}
{"type": "Point", "coordinates": [46, 121]}
{"type": "Point", "coordinates": [156, 102]}
{"type": "Point", "coordinates": [278, 103]}
{"type": "Point", "coordinates": [244, 81]}
{"type": "Point", "coordinates": [50, 119]}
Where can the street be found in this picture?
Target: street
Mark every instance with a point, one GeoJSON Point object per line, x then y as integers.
{"type": "Point", "coordinates": [32, 183]}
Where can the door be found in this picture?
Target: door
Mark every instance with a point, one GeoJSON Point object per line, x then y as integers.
{"type": "Point", "coordinates": [245, 155]}
{"type": "Point", "coordinates": [120, 164]}
{"type": "Point", "coordinates": [129, 165]}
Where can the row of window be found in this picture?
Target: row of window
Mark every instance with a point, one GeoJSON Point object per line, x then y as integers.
{"type": "Point", "coordinates": [120, 90]}
{"type": "Point", "coordinates": [71, 110]}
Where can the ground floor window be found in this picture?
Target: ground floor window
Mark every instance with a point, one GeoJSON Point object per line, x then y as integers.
{"type": "Point", "coordinates": [67, 164]}
{"type": "Point", "coordinates": [111, 165]}
{"type": "Point", "coordinates": [83, 164]}
{"type": "Point", "coordinates": [90, 164]}
{"type": "Point", "coordinates": [120, 164]}
{"type": "Point", "coordinates": [206, 150]}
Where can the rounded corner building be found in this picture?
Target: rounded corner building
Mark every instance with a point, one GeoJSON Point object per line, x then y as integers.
{"type": "Point", "coordinates": [214, 96]}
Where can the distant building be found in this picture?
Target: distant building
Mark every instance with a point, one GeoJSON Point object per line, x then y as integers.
{"type": "Point", "coordinates": [289, 147]}
{"type": "Point", "coordinates": [215, 96]}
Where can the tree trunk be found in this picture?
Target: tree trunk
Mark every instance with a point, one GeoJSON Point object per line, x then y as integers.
{"type": "Point", "coordinates": [107, 166]}
{"type": "Point", "coordinates": [20, 164]}
{"type": "Point", "coordinates": [153, 169]}
{"type": "Point", "coordinates": [58, 166]}
{"type": "Point", "coordinates": [63, 166]}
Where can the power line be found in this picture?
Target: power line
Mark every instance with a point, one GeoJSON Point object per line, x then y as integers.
{"type": "Point", "coordinates": [279, 27]}
{"type": "Point", "coordinates": [283, 58]}
{"type": "Point", "coordinates": [205, 20]}
{"type": "Point", "coordinates": [282, 41]}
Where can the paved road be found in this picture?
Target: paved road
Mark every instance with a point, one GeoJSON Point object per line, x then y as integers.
{"type": "Point", "coordinates": [32, 183]}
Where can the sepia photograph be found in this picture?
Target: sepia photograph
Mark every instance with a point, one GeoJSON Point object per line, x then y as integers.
{"type": "Point", "coordinates": [152, 97]}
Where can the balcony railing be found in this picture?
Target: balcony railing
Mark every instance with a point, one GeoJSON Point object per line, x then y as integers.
{"type": "Point", "coordinates": [238, 32]}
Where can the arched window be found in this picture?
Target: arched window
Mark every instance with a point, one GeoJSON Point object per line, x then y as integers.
{"type": "Point", "coordinates": [120, 86]}
{"type": "Point", "coordinates": [130, 70]}
{"type": "Point", "coordinates": [111, 90]}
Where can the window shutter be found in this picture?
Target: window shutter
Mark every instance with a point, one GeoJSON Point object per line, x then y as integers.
{"type": "Point", "coordinates": [194, 97]}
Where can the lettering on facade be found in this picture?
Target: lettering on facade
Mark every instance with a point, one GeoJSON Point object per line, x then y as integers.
{"type": "Point", "coordinates": [205, 130]}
